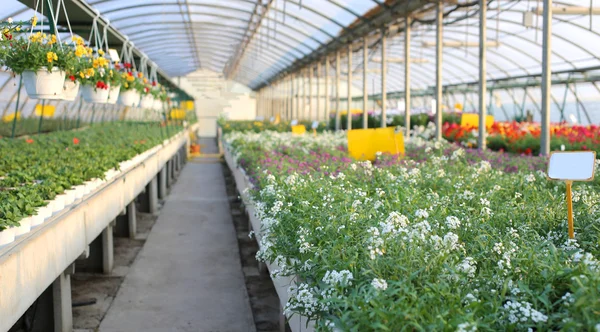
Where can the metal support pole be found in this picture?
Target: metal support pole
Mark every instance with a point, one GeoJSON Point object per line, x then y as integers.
{"type": "Point", "coordinates": [297, 91]}
{"type": "Point", "coordinates": [438, 71]}
{"type": "Point", "coordinates": [337, 91]}
{"type": "Point", "coordinates": [318, 91]}
{"type": "Point", "coordinates": [349, 111]}
{"type": "Point", "coordinates": [383, 78]}
{"type": "Point", "coordinates": [327, 108]}
{"type": "Point", "coordinates": [286, 87]}
{"type": "Point", "coordinates": [407, 105]}
{"type": "Point", "coordinates": [546, 76]}
{"type": "Point", "coordinates": [301, 115]}
{"type": "Point", "coordinates": [481, 140]}
{"type": "Point", "coordinates": [310, 94]}
{"type": "Point", "coordinates": [365, 93]}
{"type": "Point", "coordinates": [14, 124]}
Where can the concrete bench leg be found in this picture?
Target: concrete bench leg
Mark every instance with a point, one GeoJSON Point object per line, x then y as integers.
{"type": "Point", "coordinates": [101, 254]}
{"type": "Point", "coordinates": [168, 167]}
{"type": "Point", "coordinates": [162, 183]}
{"type": "Point", "coordinates": [126, 225]}
{"type": "Point", "coordinates": [149, 198]}
{"type": "Point", "coordinates": [173, 172]}
{"type": "Point", "coordinates": [52, 311]}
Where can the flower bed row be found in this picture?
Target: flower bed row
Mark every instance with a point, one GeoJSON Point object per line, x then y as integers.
{"type": "Point", "coordinates": [257, 126]}
{"type": "Point", "coordinates": [41, 175]}
{"type": "Point", "coordinates": [524, 138]}
{"type": "Point", "coordinates": [447, 241]}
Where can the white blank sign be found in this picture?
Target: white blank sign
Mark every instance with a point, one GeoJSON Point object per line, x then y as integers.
{"type": "Point", "coordinates": [573, 166]}
{"type": "Point", "coordinates": [315, 124]}
{"type": "Point", "coordinates": [294, 122]}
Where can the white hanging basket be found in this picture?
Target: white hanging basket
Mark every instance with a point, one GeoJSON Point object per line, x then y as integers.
{"type": "Point", "coordinates": [7, 236]}
{"type": "Point", "coordinates": [94, 95]}
{"type": "Point", "coordinates": [70, 90]}
{"type": "Point", "coordinates": [158, 104]}
{"type": "Point", "coordinates": [113, 94]}
{"type": "Point", "coordinates": [42, 84]}
{"type": "Point", "coordinates": [129, 98]}
{"type": "Point", "coordinates": [147, 101]}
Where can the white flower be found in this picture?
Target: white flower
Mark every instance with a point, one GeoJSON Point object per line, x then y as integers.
{"type": "Point", "coordinates": [452, 222]}
{"type": "Point", "coordinates": [422, 214]}
{"type": "Point", "coordinates": [451, 241]}
{"type": "Point", "coordinates": [597, 327]}
{"type": "Point", "coordinates": [466, 327]}
{"type": "Point", "coordinates": [10, 20]}
{"type": "Point", "coordinates": [530, 178]}
{"type": "Point", "coordinates": [468, 266]}
{"type": "Point", "coordinates": [379, 284]}
{"type": "Point", "coordinates": [484, 202]}
{"type": "Point", "coordinates": [342, 278]}
{"type": "Point", "coordinates": [523, 312]}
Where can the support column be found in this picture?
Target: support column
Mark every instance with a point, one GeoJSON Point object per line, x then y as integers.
{"type": "Point", "coordinates": [297, 91]}
{"type": "Point", "coordinates": [481, 140]}
{"type": "Point", "coordinates": [285, 90]}
{"type": "Point", "coordinates": [365, 93]}
{"type": "Point", "coordinates": [348, 112]}
{"type": "Point", "coordinates": [101, 253]}
{"type": "Point", "coordinates": [311, 112]}
{"type": "Point", "coordinates": [546, 77]}
{"type": "Point", "coordinates": [149, 199]}
{"type": "Point", "coordinates": [162, 183]}
{"type": "Point", "coordinates": [327, 108]}
{"type": "Point", "coordinates": [338, 119]}
{"type": "Point", "coordinates": [383, 78]}
{"type": "Point", "coordinates": [407, 103]}
{"type": "Point", "coordinates": [126, 225]}
{"type": "Point", "coordinates": [301, 114]}
{"type": "Point", "coordinates": [438, 70]}
{"type": "Point", "coordinates": [61, 298]}
{"type": "Point", "coordinates": [318, 118]}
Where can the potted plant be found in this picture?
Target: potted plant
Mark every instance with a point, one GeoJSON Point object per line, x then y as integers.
{"type": "Point", "coordinates": [75, 67]}
{"type": "Point", "coordinates": [39, 59]}
{"type": "Point", "coordinates": [115, 81]}
{"type": "Point", "coordinates": [95, 79]}
{"type": "Point", "coordinates": [147, 100]}
{"type": "Point", "coordinates": [130, 86]}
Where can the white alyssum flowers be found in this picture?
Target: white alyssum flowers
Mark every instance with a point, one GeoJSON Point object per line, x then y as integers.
{"type": "Point", "coordinates": [341, 278]}
{"type": "Point", "coordinates": [422, 214]}
{"type": "Point", "coordinates": [468, 266]}
{"type": "Point", "coordinates": [530, 178]}
{"type": "Point", "coordinates": [523, 312]}
{"type": "Point", "coordinates": [452, 222]}
{"type": "Point", "coordinates": [379, 284]}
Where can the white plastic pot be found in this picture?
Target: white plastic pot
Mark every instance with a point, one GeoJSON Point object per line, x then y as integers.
{"type": "Point", "coordinates": [45, 211]}
{"type": "Point", "coordinates": [129, 98]}
{"type": "Point", "coordinates": [147, 101]}
{"type": "Point", "coordinates": [7, 236]}
{"type": "Point", "coordinates": [113, 94]}
{"type": "Point", "coordinates": [58, 203]}
{"type": "Point", "coordinates": [24, 226]}
{"type": "Point", "coordinates": [70, 90]}
{"type": "Point", "coordinates": [42, 84]}
{"type": "Point", "coordinates": [158, 104]}
{"type": "Point", "coordinates": [94, 95]}
{"type": "Point", "coordinates": [37, 220]}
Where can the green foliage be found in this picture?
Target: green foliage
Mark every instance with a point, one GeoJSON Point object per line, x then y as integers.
{"type": "Point", "coordinates": [36, 169]}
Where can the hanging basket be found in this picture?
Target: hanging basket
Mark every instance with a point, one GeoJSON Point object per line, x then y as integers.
{"type": "Point", "coordinates": [147, 101]}
{"type": "Point", "coordinates": [70, 90]}
{"type": "Point", "coordinates": [158, 104]}
{"type": "Point", "coordinates": [42, 84]}
{"type": "Point", "coordinates": [129, 98]}
{"type": "Point", "coordinates": [94, 95]}
{"type": "Point", "coordinates": [113, 94]}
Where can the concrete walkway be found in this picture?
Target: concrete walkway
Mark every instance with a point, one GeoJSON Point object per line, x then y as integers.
{"type": "Point", "coordinates": [188, 276]}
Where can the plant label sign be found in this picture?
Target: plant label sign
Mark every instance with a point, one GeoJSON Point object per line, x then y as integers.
{"type": "Point", "coordinates": [294, 122]}
{"type": "Point", "coordinates": [315, 125]}
{"type": "Point", "coordinates": [571, 166]}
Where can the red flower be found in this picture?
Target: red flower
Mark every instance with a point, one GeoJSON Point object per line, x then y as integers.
{"type": "Point", "coordinates": [127, 65]}
{"type": "Point", "coordinates": [528, 151]}
{"type": "Point", "coordinates": [29, 140]}
{"type": "Point", "coordinates": [146, 90]}
{"type": "Point", "coordinates": [72, 78]}
{"type": "Point", "coordinates": [153, 83]}
{"type": "Point", "coordinates": [101, 85]}
{"type": "Point", "coordinates": [117, 66]}
{"type": "Point", "coordinates": [75, 140]}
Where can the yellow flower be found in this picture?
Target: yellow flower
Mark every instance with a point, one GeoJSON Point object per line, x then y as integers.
{"type": "Point", "coordinates": [79, 51]}
{"type": "Point", "coordinates": [110, 73]}
{"type": "Point", "coordinates": [34, 20]}
{"type": "Point", "coordinates": [81, 74]}
{"type": "Point", "coordinates": [90, 72]}
{"type": "Point", "coordinates": [18, 29]}
{"type": "Point", "coordinates": [51, 56]}
{"type": "Point", "coordinates": [36, 38]}
{"type": "Point", "coordinates": [101, 52]}
{"type": "Point", "coordinates": [52, 40]}
{"type": "Point", "coordinates": [145, 80]}
{"type": "Point", "coordinates": [126, 85]}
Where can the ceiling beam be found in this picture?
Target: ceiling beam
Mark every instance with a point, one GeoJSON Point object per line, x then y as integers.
{"type": "Point", "coordinates": [253, 26]}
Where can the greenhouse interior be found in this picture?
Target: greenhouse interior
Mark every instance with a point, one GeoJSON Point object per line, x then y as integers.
{"type": "Point", "coordinates": [299, 165]}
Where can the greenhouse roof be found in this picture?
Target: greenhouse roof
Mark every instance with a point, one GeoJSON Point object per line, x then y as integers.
{"type": "Point", "coordinates": [255, 42]}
